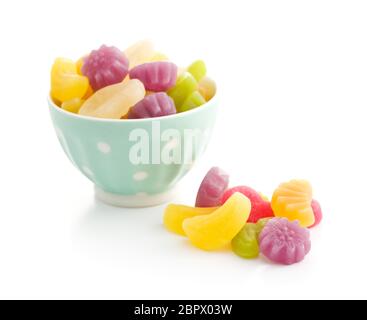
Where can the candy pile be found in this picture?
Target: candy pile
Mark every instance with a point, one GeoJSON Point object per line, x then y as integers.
{"type": "Point", "coordinates": [134, 84]}
{"type": "Point", "coordinates": [246, 220]}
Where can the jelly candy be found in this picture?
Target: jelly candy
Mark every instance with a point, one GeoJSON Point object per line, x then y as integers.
{"type": "Point", "coordinates": [207, 88]}
{"type": "Point", "coordinates": [158, 56]}
{"type": "Point", "coordinates": [316, 208]}
{"type": "Point", "coordinates": [72, 105]}
{"type": "Point", "coordinates": [88, 93]}
{"type": "Point", "coordinates": [66, 84]}
{"type": "Point", "coordinates": [153, 105]}
{"type": "Point", "coordinates": [139, 53]}
{"type": "Point", "coordinates": [259, 208]}
{"type": "Point", "coordinates": [245, 244]}
{"type": "Point", "coordinates": [79, 65]}
{"type": "Point", "coordinates": [216, 230]}
{"type": "Point", "coordinates": [292, 200]}
{"type": "Point", "coordinates": [174, 216]}
{"type": "Point", "coordinates": [156, 76]}
{"type": "Point", "coordinates": [197, 69]}
{"type": "Point", "coordinates": [185, 85]}
{"type": "Point", "coordinates": [105, 66]}
{"type": "Point", "coordinates": [193, 101]}
{"type": "Point", "coordinates": [284, 242]}
{"type": "Point", "coordinates": [114, 101]}
{"type": "Point", "coordinates": [211, 190]}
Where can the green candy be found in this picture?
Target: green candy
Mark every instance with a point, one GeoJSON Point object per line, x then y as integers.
{"type": "Point", "coordinates": [185, 85]}
{"type": "Point", "coordinates": [197, 69]}
{"type": "Point", "coordinates": [245, 244]}
{"type": "Point", "coordinates": [193, 101]}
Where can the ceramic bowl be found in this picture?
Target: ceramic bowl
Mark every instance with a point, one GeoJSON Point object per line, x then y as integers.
{"type": "Point", "coordinates": [135, 163]}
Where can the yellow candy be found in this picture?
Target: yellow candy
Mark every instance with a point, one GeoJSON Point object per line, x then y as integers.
{"type": "Point", "coordinates": [158, 56]}
{"type": "Point", "coordinates": [66, 84]}
{"type": "Point", "coordinates": [174, 216]}
{"type": "Point", "coordinates": [113, 102]}
{"type": "Point", "coordinates": [292, 200]}
{"type": "Point", "coordinates": [79, 65]}
{"type": "Point", "coordinates": [139, 53]}
{"type": "Point", "coordinates": [72, 105]}
{"type": "Point", "coordinates": [207, 88]}
{"type": "Point", "coordinates": [55, 101]}
{"type": "Point", "coordinates": [88, 93]}
{"type": "Point", "coordinates": [216, 230]}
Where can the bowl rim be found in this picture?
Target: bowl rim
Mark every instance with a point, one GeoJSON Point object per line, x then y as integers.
{"type": "Point", "coordinates": [185, 114]}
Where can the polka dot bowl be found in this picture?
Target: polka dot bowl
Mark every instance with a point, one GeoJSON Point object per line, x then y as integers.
{"type": "Point", "coordinates": [135, 163]}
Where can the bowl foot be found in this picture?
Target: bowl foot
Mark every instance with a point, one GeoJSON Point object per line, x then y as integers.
{"type": "Point", "coordinates": [140, 200]}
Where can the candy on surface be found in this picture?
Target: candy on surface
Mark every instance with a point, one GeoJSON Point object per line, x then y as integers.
{"type": "Point", "coordinates": [140, 52]}
{"type": "Point", "coordinates": [197, 69]}
{"type": "Point", "coordinates": [72, 105]}
{"type": "Point", "coordinates": [153, 105]}
{"type": "Point", "coordinates": [211, 190]}
{"type": "Point", "coordinates": [207, 88]}
{"type": "Point", "coordinates": [114, 101]}
{"type": "Point", "coordinates": [158, 56]}
{"type": "Point", "coordinates": [105, 66]}
{"type": "Point", "coordinates": [316, 208]}
{"type": "Point", "coordinates": [261, 223]}
{"type": "Point", "coordinates": [174, 216]}
{"type": "Point", "coordinates": [246, 243]}
{"type": "Point", "coordinates": [259, 208]}
{"type": "Point", "coordinates": [284, 242]}
{"type": "Point", "coordinates": [185, 85]}
{"type": "Point", "coordinates": [194, 100]}
{"type": "Point", "coordinates": [66, 84]}
{"type": "Point", "coordinates": [216, 230]}
{"type": "Point", "coordinates": [292, 200]}
{"type": "Point", "coordinates": [156, 76]}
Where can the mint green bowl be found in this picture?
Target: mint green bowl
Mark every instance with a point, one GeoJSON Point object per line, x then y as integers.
{"type": "Point", "coordinates": [135, 163]}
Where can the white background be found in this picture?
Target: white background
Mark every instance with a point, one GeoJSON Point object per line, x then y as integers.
{"type": "Point", "coordinates": [292, 76]}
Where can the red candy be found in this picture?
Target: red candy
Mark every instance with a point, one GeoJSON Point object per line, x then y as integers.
{"type": "Point", "coordinates": [316, 208]}
{"type": "Point", "coordinates": [259, 208]}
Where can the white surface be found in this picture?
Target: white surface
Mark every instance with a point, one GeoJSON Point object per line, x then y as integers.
{"type": "Point", "coordinates": [293, 80]}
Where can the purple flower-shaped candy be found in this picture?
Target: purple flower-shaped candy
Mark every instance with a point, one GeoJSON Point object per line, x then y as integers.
{"type": "Point", "coordinates": [105, 66]}
{"type": "Point", "coordinates": [284, 242]}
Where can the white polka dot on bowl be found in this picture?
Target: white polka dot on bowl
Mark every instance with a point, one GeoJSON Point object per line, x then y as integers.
{"type": "Point", "coordinates": [140, 176]}
{"type": "Point", "coordinates": [104, 147]}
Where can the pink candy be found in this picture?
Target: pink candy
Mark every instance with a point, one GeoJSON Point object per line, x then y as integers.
{"type": "Point", "coordinates": [315, 205]}
{"type": "Point", "coordinates": [212, 188]}
{"type": "Point", "coordinates": [105, 66]}
{"type": "Point", "coordinates": [284, 242]}
{"type": "Point", "coordinates": [156, 76]}
{"type": "Point", "coordinates": [154, 105]}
